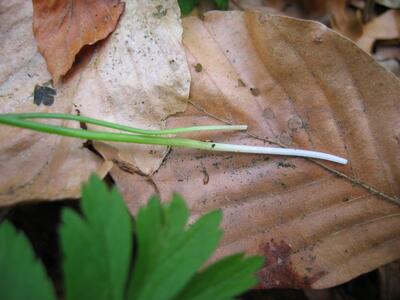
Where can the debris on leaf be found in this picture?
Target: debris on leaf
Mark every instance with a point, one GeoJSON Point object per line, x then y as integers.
{"type": "Point", "coordinates": [255, 91]}
{"type": "Point", "coordinates": [198, 67]}
{"type": "Point", "coordinates": [43, 95]}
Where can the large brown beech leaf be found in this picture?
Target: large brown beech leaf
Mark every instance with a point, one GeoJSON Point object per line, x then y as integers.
{"type": "Point", "coordinates": [35, 166]}
{"type": "Point", "coordinates": [299, 84]}
{"type": "Point", "coordinates": [63, 27]}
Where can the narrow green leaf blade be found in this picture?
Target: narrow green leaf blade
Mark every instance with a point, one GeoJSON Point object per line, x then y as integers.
{"type": "Point", "coordinates": [22, 275]}
{"type": "Point", "coordinates": [97, 248]}
{"type": "Point", "coordinates": [176, 253]}
{"type": "Point", "coordinates": [224, 279]}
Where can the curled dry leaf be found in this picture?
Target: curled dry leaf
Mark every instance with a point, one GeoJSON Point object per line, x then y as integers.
{"type": "Point", "coordinates": [384, 27]}
{"type": "Point", "coordinates": [63, 27]}
{"type": "Point", "coordinates": [316, 224]}
{"type": "Point", "coordinates": [35, 166]}
{"type": "Point", "coordinates": [138, 77]}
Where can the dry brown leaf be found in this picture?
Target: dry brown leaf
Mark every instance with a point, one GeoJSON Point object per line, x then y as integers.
{"type": "Point", "coordinates": [138, 77]}
{"type": "Point", "coordinates": [316, 90]}
{"type": "Point", "coordinates": [344, 20]}
{"type": "Point", "coordinates": [63, 27]}
{"type": "Point", "coordinates": [34, 166]}
{"type": "Point", "coordinates": [304, 9]}
{"type": "Point", "coordinates": [336, 12]}
{"type": "Point", "coordinates": [384, 27]}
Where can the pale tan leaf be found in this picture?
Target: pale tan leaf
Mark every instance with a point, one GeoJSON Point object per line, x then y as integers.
{"type": "Point", "coordinates": [34, 166]}
{"type": "Point", "coordinates": [138, 78]}
{"type": "Point", "coordinates": [63, 27]}
{"type": "Point", "coordinates": [318, 225]}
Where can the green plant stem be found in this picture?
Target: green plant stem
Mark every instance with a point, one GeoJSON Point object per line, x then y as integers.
{"type": "Point", "coordinates": [102, 135]}
{"type": "Point", "coordinates": [155, 140]}
{"type": "Point", "coordinates": [123, 127]}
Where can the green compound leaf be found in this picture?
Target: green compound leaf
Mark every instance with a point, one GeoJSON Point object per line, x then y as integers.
{"type": "Point", "coordinates": [97, 248]}
{"type": "Point", "coordinates": [22, 276]}
{"type": "Point", "coordinates": [97, 251]}
{"type": "Point", "coordinates": [168, 253]}
{"type": "Point", "coordinates": [224, 279]}
{"type": "Point", "coordinates": [187, 6]}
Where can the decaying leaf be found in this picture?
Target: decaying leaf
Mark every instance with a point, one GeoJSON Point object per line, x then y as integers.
{"type": "Point", "coordinates": [63, 27]}
{"type": "Point", "coordinates": [35, 166]}
{"type": "Point", "coordinates": [334, 12]}
{"type": "Point", "coordinates": [389, 3]}
{"type": "Point", "coordinates": [384, 27]}
{"type": "Point", "coordinates": [138, 77]}
{"type": "Point", "coordinates": [305, 9]}
{"type": "Point", "coordinates": [344, 20]}
{"type": "Point", "coordinates": [318, 225]}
